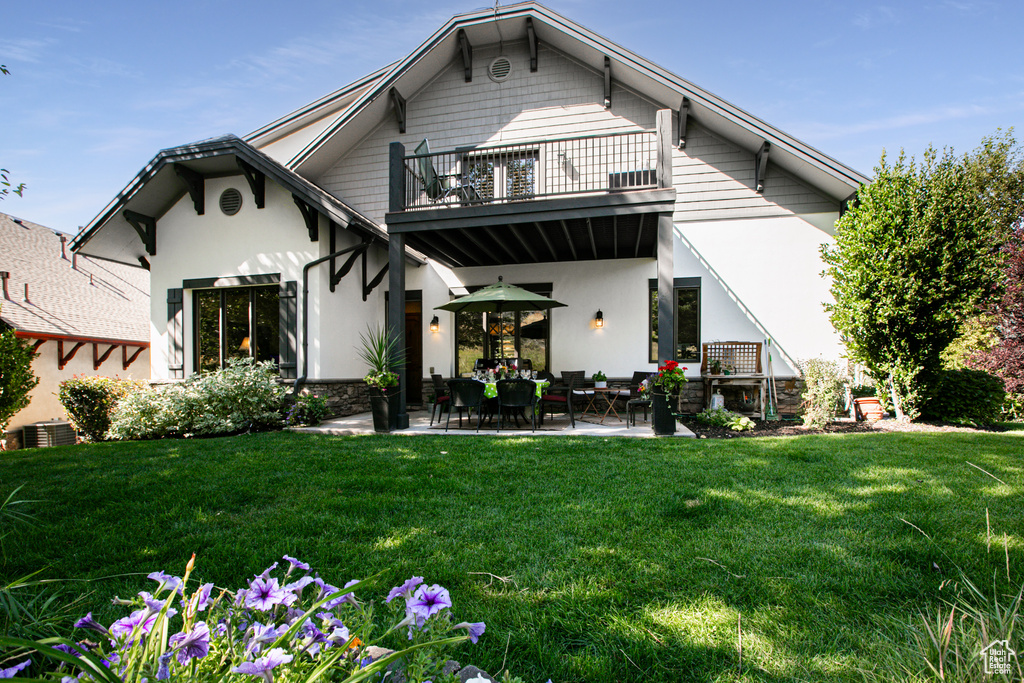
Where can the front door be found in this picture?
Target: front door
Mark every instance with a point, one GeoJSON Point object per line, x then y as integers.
{"type": "Point", "coordinates": [414, 352]}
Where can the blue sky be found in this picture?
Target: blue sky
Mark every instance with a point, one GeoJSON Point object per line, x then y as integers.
{"type": "Point", "coordinates": [97, 88]}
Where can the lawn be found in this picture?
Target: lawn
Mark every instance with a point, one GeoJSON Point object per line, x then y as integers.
{"type": "Point", "coordinates": [619, 559]}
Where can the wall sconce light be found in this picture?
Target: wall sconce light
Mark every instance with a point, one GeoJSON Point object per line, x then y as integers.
{"type": "Point", "coordinates": [435, 324]}
{"type": "Point", "coordinates": [599, 319]}
{"type": "Point", "coordinates": [244, 346]}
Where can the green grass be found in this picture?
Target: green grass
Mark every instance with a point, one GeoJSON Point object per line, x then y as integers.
{"type": "Point", "coordinates": [620, 559]}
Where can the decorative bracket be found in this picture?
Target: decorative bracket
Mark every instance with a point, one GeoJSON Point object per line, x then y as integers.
{"type": "Point", "coordinates": [146, 227]}
{"type": "Point", "coordinates": [310, 216]}
{"type": "Point", "coordinates": [377, 279]}
{"type": "Point", "coordinates": [127, 360]}
{"type": "Point", "coordinates": [531, 36]}
{"type": "Point", "coordinates": [196, 187]}
{"type": "Point", "coordinates": [607, 82]}
{"type": "Point", "coordinates": [356, 251]}
{"type": "Point", "coordinates": [144, 262]}
{"type": "Point", "coordinates": [257, 182]}
{"type": "Point", "coordinates": [399, 102]}
{"type": "Point", "coordinates": [761, 165]}
{"type": "Point", "coordinates": [37, 344]}
{"type": "Point", "coordinates": [467, 55]}
{"type": "Point", "coordinates": [684, 114]}
{"type": "Point", "coordinates": [97, 359]}
{"type": "Point", "coordinates": [63, 360]}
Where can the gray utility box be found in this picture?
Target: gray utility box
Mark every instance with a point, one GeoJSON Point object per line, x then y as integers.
{"type": "Point", "coordinates": [53, 433]}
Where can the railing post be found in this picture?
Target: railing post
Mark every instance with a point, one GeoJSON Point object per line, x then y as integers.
{"type": "Point", "coordinates": [396, 177]}
{"type": "Point", "coordinates": [664, 147]}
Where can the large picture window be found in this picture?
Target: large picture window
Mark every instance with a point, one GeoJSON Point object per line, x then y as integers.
{"type": "Point", "coordinates": [236, 322]}
{"type": "Point", "coordinates": [524, 334]}
{"type": "Point", "coordinates": [686, 342]}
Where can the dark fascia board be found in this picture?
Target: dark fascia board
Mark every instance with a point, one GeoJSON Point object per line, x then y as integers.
{"type": "Point", "coordinates": [333, 208]}
{"type": "Point", "coordinates": [545, 19]}
{"type": "Point", "coordinates": [677, 283]}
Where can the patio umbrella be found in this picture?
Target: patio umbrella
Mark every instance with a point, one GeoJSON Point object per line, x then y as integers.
{"type": "Point", "coordinates": [498, 298]}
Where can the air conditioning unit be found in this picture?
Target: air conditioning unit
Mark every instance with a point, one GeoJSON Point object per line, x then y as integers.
{"type": "Point", "coordinates": [53, 433]}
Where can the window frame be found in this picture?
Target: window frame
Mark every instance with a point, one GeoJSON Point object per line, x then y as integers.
{"type": "Point", "coordinates": [499, 171]}
{"type": "Point", "coordinates": [542, 288]}
{"type": "Point", "coordinates": [678, 284]}
{"type": "Point", "coordinates": [250, 286]}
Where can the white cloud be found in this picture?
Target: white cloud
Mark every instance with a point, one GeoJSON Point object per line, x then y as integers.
{"type": "Point", "coordinates": [24, 50]}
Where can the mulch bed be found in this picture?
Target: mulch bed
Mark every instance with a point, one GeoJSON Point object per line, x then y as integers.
{"type": "Point", "coordinates": [796, 428]}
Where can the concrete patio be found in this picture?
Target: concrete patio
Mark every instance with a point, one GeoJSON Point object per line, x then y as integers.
{"type": "Point", "coordinates": [419, 424]}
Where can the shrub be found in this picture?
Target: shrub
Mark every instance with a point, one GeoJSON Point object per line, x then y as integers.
{"type": "Point", "coordinates": [966, 396]}
{"type": "Point", "coordinates": [286, 624]}
{"type": "Point", "coordinates": [720, 417]}
{"type": "Point", "coordinates": [90, 402]}
{"type": "Point", "coordinates": [16, 378]}
{"type": "Point", "coordinates": [309, 409]}
{"type": "Point", "coordinates": [244, 396]}
{"type": "Point", "coordinates": [823, 389]}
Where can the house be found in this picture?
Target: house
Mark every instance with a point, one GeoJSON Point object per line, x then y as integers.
{"type": "Point", "coordinates": [84, 316]}
{"type": "Point", "coordinates": [513, 142]}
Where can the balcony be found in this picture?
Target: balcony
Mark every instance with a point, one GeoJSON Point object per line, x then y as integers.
{"type": "Point", "coordinates": [583, 198]}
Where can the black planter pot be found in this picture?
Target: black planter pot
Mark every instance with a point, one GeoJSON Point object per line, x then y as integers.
{"type": "Point", "coordinates": [662, 419]}
{"type": "Point", "coordinates": [380, 405]}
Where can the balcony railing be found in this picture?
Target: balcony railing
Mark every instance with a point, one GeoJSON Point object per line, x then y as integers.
{"type": "Point", "coordinates": [526, 171]}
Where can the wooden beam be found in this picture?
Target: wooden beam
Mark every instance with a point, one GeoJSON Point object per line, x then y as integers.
{"type": "Point", "coordinates": [547, 241]}
{"type": "Point", "coordinates": [97, 359]}
{"type": "Point", "coordinates": [663, 151]}
{"type": "Point", "coordinates": [761, 165]}
{"type": "Point", "coordinates": [127, 360]}
{"type": "Point", "coordinates": [467, 55]}
{"type": "Point", "coordinates": [526, 245]}
{"type": "Point", "coordinates": [310, 216]}
{"type": "Point", "coordinates": [615, 237]}
{"type": "Point", "coordinates": [257, 180]}
{"type": "Point", "coordinates": [377, 279]}
{"type": "Point", "coordinates": [62, 359]}
{"type": "Point", "coordinates": [454, 247]}
{"type": "Point", "coordinates": [593, 243]}
{"type": "Point", "coordinates": [607, 82]}
{"type": "Point", "coordinates": [399, 102]}
{"type": "Point", "coordinates": [347, 265]}
{"type": "Point", "coordinates": [639, 235]}
{"type": "Point", "coordinates": [531, 38]}
{"type": "Point", "coordinates": [468, 234]}
{"type": "Point", "coordinates": [196, 186]}
{"type": "Point", "coordinates": [568, 238]}
{"type": "Point", "coordinates": [501, 243]}
{"type": "Point", "coordinates": [684, 114]}
{"type": "Point", "coordinates": [145, 226]}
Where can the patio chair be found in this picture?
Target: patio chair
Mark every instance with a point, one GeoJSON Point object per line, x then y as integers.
{"type": "Point", "coordinates": [636, 401]}
{"type": "Point", "coordinates": [465, 393]}
{"type": "Point", "coordinates": [441, 398]}
{"type": "Point", "coordinates": [443, 188]}
{"type": "Point", "coordinates": [513, 396]}
{"type": "Point", "coordinates": [554, 399]}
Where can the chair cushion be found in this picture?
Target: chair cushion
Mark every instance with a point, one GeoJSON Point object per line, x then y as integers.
{"type": "Point", "coordinates": [554, 398]}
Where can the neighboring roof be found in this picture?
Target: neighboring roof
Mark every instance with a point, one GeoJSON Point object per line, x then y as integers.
{"type": "Point", "coordinates": [157, 187]}
{"type": "Point", "coordinates": [68, 296]}
{"type": "Point", "coordinates": [630, 70]}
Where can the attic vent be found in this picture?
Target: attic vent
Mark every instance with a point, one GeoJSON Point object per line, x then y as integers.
{"type": "Point", "coordinates": [500, 69]}
{"type": "Point", "coordinates": [230, 201]}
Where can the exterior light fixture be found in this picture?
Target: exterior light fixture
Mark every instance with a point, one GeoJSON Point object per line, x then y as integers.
{"type": "Point", "coordinates": [435, 324]}
{"type": "Point", "coordinates": [599, 319]}
{"type": "Point", "coordinates": [244, 346]}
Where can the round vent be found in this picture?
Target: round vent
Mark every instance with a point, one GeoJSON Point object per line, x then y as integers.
{"type": "Point", "coordinates": [230, 201]}
{"type": "Point", "coordinates": [500, 69]}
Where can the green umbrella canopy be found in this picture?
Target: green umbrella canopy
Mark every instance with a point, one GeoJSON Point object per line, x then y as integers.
{"type": "Point", "coordinates": [498, 298]}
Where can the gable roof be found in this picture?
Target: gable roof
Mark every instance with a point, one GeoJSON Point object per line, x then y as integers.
{"type": "Point", "coordinates": [509, 23]}
{"type": "Point", "coordinates": [156, 188]}
{"type": "Point", "coordinates": [68, 296]}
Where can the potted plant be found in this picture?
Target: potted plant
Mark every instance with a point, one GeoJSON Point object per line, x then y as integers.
{"type": "Point", "coordinates": [716, 367]}
{"type": "Point", "coordinates": [600, 380]}
{"type": "Point", "coordinates": [868, 406]}
{"type": "Point", "coordinates": [379, 351]}
{"type": "Point", "coordinates": [667, 384]}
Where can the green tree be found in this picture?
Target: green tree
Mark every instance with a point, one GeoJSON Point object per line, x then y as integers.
{"type": "Point", "coordinates": [912, 260]}
{"type": "Point", "coordinates": [16, 377]}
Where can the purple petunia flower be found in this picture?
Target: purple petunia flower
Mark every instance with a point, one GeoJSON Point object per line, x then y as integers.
{"type": "Point", "coordinates": [405, 590]}
{"type": "Point", "coordinates": [297, 586]}
{"type": "Point", "coordinates": [67, 649]}
{"type": "Point", "coordinates": [296, 564]}
{"type": "Point", "coordinates": [172, 583]}
{"type": "Point", "coordinates": [476, 629]}
{"type": "Point", "coordinates": [204, 597]}
{"type": "Point", "coordinates": [140, 618]}
{"type": "Point", "coordinates": [264, 666]}
{"type": "Point", "coordinates": [192, 645]}
{"type": "Point", "coordinates": [154, 605]}
{"type": "Point", "coordinates": [266, 572]}
{"type": "Point", "coordinates": [10, 671]}
{"type": "Point", "coordinates": [428, 601]}
{"type": "Point", "coordinates": [88, 622]}
{"type": "Point", "coordinates": [264, 634]}
{"type": "Point", "coordinates": [163, 672]}
{"type": "Point", "coordinates": [264, 595]}
{"type": "Point", "coordinates": [339, 636]}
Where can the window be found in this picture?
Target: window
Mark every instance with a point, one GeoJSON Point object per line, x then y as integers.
{"type": "Point", "coordinates": [508, 175]}
{"type": "Point", "coordinates": [236, 322]}
{"type": "Point", "coordinates": [524, 334]}
{"type": "Point", "coordinates": [687, 333]}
